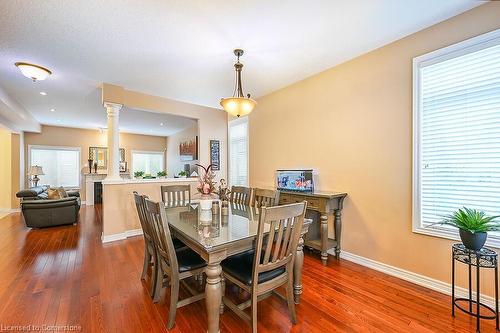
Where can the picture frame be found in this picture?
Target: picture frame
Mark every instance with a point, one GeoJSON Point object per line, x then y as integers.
{"type": "Point", "coordinates": [123, 166]}
{"type": "Point", "coordinates": [215, 154]}
{"type": "Point", "coordinates": [188, 149]}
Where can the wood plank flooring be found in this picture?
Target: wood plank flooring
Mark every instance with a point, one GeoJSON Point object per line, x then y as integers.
{"type": "Point", "coordinates": [65, 276]}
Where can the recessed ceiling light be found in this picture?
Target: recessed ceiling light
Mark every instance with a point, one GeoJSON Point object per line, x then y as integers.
{"type": "Point", "coordinates": [52, 110]}
{"type": "Point", "coordinates": [43, 93]}
{"type": "Point", "coordinates": [161, 124]}
{"type": "Point", "coordinates": [58, 120]}
{"type": "Point", "coordinates": [34, 72]}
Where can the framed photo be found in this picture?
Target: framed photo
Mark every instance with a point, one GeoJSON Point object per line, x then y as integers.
{"type": "Point", "coordinates": [215, 154]}
{"type": "Point", "coordinates": [123, 166]}
{"type": "Point", "coordinates": [100, 156]}
{"type": "Point", "coordinates": [188, 149]}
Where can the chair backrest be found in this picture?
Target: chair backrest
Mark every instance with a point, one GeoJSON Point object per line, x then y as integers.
{"type": "Point", "coordinates": [240, 195]}
{"type": "Point", "coordinates": [156, 215]}
{"type": "Point", "coordinates": [176, 195]}
{"type": "Point", "coordinates": [141, 212]}
{"type": "Point", "coordinates": [265, 198]}
{"type": "Point", "coordinates": [280, 245]}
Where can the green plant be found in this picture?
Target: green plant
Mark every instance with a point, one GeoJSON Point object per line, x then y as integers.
{"type": "Point", "coordinates": [183, 173]}
{"type": "Point", "coordinates": [138, 173]}
{"type": "Point", "coordinates": [472, 220]}
{"type": "Point", "coordinates": [162, 173]}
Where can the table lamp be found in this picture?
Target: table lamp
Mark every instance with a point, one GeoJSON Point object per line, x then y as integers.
{"type": "Point", "coordinates": [35, 171]}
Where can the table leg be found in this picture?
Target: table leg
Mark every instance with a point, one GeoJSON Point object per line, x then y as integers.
{"type": "Point", "coordinates": [297, 271]}
{"type": "Point", "coordinates": [337, 223]}
{"type": "Point", "coordinates": [213, 295]}
{"type": "Point", "coordinates": [223, 291]}
{"type": "Point", "coordinates": [324, 239]}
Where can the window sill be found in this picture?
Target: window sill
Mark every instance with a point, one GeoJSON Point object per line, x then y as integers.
{"type": "Point", "coordinates": [492, 241]}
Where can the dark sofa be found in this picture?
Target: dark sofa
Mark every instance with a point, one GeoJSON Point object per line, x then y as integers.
{"type": "Point", "coordinates": [41, 212]}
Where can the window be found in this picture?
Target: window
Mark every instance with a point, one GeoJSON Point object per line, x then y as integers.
{"type": "Point", "coordinates": [456, 119]}
{"type": "Point", "coordinates": [238, 152]}
{"type": "Point", "coordinates": [61, 165]}
{"type": "Point", "coordinates": [148, 161]}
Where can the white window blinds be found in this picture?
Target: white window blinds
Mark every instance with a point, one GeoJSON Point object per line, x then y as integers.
{"type": "Point", "coordinates": [238, 152]}
{"type": "Point", "coordinates": [61, 165]}
{"type": "Point", "coordinates": [458, 134]}
{"type": "Point", "coordinates": [148, 162]}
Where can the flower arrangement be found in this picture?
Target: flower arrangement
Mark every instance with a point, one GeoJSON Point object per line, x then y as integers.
{"type": "Point", "coordinates": [206, 183]}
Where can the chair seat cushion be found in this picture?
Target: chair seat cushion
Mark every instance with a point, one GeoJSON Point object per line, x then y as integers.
{"type": "Point", "coordinates": [189, 260]}
{"type": "Point", "coordinates": [178, 244]}
{"type": "Point", "coordinates": [240, 266]}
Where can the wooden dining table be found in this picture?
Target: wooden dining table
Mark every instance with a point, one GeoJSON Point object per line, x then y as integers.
{"type": "Point", "coordinates": [215, 237]}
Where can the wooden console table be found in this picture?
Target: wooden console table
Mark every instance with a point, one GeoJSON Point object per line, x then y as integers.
{"type": "Point", "coordinates": [322, 203]}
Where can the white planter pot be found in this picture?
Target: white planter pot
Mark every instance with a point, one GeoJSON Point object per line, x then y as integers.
{"type": "Point", "coordinates": [206, 204]}
{"type": "Point", "coordinates": [205, 215]}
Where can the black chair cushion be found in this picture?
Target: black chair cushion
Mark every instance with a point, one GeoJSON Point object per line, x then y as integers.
{"type": "Point", "coordinates": [178, 244]}
{"type": "Point", "coordinates": [240, 266]}
{"type": "Point", "coordinates": [189, 260]}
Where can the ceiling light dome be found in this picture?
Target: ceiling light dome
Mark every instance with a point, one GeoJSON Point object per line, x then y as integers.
{"type": "Point", "coordinates": [238, 105]}
{"type": "Point", "coordinates": [34, 72]}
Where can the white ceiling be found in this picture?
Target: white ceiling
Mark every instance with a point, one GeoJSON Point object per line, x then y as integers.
{"type": "Point", "coordinates": [183, 49]}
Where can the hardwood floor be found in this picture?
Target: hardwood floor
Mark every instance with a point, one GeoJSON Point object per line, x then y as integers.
{"type": "Point", "coordinates": [66, 276]}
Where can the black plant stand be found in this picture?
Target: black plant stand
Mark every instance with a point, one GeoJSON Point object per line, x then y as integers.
{"type": "Point", "coordinates": [484, 258]}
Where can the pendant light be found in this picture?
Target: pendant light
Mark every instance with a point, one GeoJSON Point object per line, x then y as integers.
{"type": "Point", "coordinates": [238, 105]}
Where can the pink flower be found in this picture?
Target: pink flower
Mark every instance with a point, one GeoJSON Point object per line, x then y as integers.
{"type": "Point", "coordinates": [206, 188]}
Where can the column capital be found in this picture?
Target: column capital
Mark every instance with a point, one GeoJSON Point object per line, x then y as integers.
{"type": "Point", "coordinates": [112, 108]}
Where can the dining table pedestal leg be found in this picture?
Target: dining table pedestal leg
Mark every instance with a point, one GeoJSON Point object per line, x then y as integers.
{"type": "Point", "coordinates": [297, 265]}
{"type": "Point", "coordinates": [213, 296]}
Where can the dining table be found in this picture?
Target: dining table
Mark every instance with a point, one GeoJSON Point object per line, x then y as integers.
{"type": "Point", "coordinates": [217, 234]}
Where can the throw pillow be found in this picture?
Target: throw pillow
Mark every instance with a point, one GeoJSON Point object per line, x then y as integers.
{"type": "Point", "coordinates": [62, 192]}
{"type": "Point", "coordinates": [53, 193]}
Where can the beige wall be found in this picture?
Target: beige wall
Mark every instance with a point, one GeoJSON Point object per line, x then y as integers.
{"type": "Point", "coordinates": [9, 169]}
{"type": "Point", "coordinates": [84, 138]}
{"type": "Point", "coordinates": [5, 169]}
{"type": "Point", "coordinates": [353, 125]}
{"type": "Point", "coordinates": [175, 165]}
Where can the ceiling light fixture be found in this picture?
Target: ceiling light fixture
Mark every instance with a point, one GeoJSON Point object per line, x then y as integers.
{"type": "Point", "coordinates": [43, 93]}
{"type": "Point", "coordinates": [52, 110]}
{"type": "Point", "coordinates": [161, 124]}
{"type": "Point", "coordinates": [34, 72]}
{"type": "Point", "coordinates": [238, 105]}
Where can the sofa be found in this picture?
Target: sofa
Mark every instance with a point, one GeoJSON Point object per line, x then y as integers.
{"type": "Point", "coordinates": [40, 212]}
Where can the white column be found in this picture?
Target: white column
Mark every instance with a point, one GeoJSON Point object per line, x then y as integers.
{"type": "Point", "coordinates": [113, 111]}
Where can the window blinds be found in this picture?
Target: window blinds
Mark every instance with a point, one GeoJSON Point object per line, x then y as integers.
{"type": "Point", "coordinates": [61, 166]}
{"type": "Point", "coordinates": [460, 134]}
{"type": "Point", "coordinates": [238, 152]}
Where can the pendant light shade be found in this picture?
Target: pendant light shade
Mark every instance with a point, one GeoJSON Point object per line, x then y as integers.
{"type": "Point", "coordinates": [34, 72]}
{"type": "Point", "coordinates": [238, 105]}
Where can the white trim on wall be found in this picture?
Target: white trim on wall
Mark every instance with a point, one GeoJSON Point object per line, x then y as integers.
{"type": "Point", "coordinates": [121, 235]}
{"type": "Point", "coordinates": [421, 280]}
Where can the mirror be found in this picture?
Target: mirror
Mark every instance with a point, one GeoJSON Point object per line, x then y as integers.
{"type": "Point", "coordinates": [100, 156]}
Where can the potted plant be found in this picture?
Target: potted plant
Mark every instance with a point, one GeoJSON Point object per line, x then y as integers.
{"type": "Point", "coordinates": [206, 186]}
{"type": "Point", "coordinates": [162, 174]}
{"type": "Point", "coordinates": [139, 174]}
{"type": "Point", "coordinates": [183, 174]}
{"type": "Point", "coordinates": [473, 226]}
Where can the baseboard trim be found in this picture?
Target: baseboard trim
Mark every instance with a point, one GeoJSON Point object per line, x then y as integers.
{"type": "Point", "coordinates": [421, 280]}
{"type": "Point", "coordinates": [121, 235]}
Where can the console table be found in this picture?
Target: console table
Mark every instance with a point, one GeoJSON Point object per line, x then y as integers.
{"type": "Point", "coordinates": [322, 203]}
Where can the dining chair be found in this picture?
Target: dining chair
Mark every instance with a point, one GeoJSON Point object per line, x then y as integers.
{"type": "Point", "coordinates": [270, 265]}
{"type": "Point", "coordinates": [175, 265]}
{"type": "Point", "coordinates": [267, 198]}
{"type": "Point", "coordinates": [149, 245]}
{"type": "Point", "coordinates": [176, 195]}
{"type": "Point", "coordinates": [240, 195]}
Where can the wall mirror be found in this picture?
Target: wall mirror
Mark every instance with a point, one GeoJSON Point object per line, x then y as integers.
{"type": "Point", "coordinates": [100, 156]}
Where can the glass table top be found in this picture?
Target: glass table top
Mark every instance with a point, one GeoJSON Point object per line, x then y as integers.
{"type": "Point", "coordinates": [212, 230]}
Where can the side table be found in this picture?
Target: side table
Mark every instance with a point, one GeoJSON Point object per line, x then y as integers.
{"type": "Point", "coordinates": [484, 258]}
